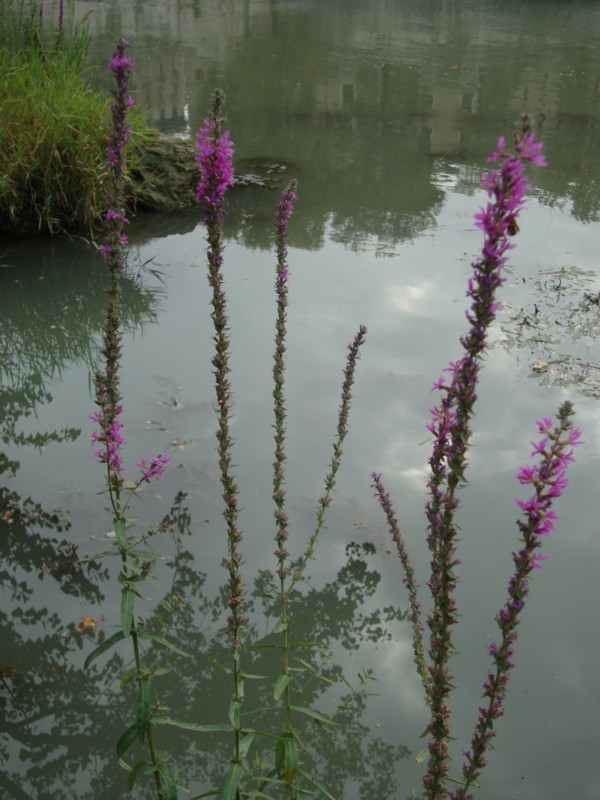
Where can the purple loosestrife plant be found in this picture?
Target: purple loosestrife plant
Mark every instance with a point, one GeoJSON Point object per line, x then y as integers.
{"type": "Point", "coordinates": [288, 747]}
{"type": "Point", "coordinates": [451, 428]}
{"type": "Point", "coordinates": [108, 396]}
{"type": "Point", "coordinates": [352, 357]}
{"type": "Point", "coordinates": [548, 479]}
{"type": "Point", "coordinates": [282, 217]}
{"type": "Point", "coordinates": [108, 441]}
{"type": "Point", "coordinates": [215, 152]}
{"type": "Point", "coordinates": [287, 755]}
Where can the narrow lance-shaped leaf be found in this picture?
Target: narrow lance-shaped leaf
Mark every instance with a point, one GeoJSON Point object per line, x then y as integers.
{"type": "Point", "coordinates": [127, 600]}
{"type": "Point", "coordinates": [232, 781]}
{"type": "Point", "coordinates": [102, 648]}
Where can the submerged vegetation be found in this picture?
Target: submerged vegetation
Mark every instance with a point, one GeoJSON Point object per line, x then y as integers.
{"type": "Point", "coordinates": [53, 128]}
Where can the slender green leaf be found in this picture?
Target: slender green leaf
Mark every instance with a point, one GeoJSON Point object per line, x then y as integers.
{"type": "Point", "coordinates": [143, 709]}
{"type": "Point", "coordinates": [168, 782]}
{"type": "Point", "coordinates": [280, 627]}
{"type": "Point", "coordinates": [222, 667]}
{"type": "Point", "coordinates": [280, 684]}
{"type": "Point", "coordinates": [316, 784]}
{"type": "Point", "coordinates": [144, 633]}
{"type": "Point", "coordinates": [245, 743]}
{"type": "Point", "coordinates": [269, 779]}
{"type": "Point", "coordinates": [127, 739]}
{"type": "Point", "coordinates": [119, 525]}
{"type": "Point", "coordinates": [148, 555]}
{"type": "Point", "coordinates": [102, 648]}
{"type": "Point", "coordinates": [218, 727]}
{"type": "Point", "coordinates": [128, 676]}
{"type": "Point", "coordinates": [234, 713]}
{"type": "Point", "coordinates": [135, 771]}
{"type": "Point", "coordinates": [98, 556]}
{"type": "Point", "coordinates": [264, 734]}
{"type": "Point", "coordinates": [127, 598]}
{"type": "Point", "coordinates": [314, 714]}
{"type": "Point", "coordinates": [232, 781]}
{"type": "Point", "coordinates": [287, 759]}
{"type": "Point", "coordinates": [156, 673]}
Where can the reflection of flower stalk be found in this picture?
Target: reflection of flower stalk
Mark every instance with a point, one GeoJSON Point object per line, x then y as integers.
{"type": "Point", "coordinates": [555, 451]}
{"type": "Point", "coordinates": [109, 436]}
{"type": "Point", "coordinates": [215, 151]}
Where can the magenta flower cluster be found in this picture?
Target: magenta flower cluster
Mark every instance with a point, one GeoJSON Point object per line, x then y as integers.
{"type": "Point", "coordinates": [285, 209]}
{"type": "Point", "coordinates": [450, 423]}
{"type": "Point", "coordinates": [215, 158]}
{"type": "Point", "coordinates": [154, 469]}
{"type": "Point", "coordinates": [109, 434]}
{"type": "Point", "coordinates": [120, 66]}
{"type": "Point", "coordinates": [548, 478]}
{"type": "Point", "coordinates": [506, 188]}
{"type": "Point", "coordinates": [110, 437]}
{"type": "Point", "coordinates": [115, 239]}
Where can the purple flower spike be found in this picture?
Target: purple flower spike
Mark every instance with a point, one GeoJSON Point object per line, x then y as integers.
{"type": "Point", "coordinates": [121, 67]}
{"type": "Point", "coordinates": [555, 453]}
{"type": "Point", "coordinates": [451, 425]}
{"type": "Point", "coordinates": [156, 468]}
{"type": "Point", "coordinates": [110, 436]}
{"type": "Point", "coordinates": [215, 154]}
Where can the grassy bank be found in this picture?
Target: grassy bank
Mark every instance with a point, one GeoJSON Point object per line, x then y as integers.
{"type": "Point", "coordinates": [53, 127]}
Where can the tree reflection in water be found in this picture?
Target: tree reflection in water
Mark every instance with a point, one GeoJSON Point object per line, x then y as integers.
{"type": "Point", "coordinates": [60, 724]}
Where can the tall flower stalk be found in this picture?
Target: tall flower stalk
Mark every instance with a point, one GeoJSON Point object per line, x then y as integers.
{"type": "Point", "coordinates": [451, 429]}
{"type": "Point", "coordinates": [288, 748]}
{"type": "Point", "coordinates": [287, 751]}
{"type": "Point", "coordinates": [352, 356]}
{"type": "Point", "coordinates": [107, 439]}
{"type": "Point", "coordinates": [450, 425]}
{"type": "Point", "coordinates": [548, 479]}
{"type": "Point", "coordinates": [215, 153]}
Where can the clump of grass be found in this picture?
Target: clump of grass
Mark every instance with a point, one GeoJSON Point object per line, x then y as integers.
{"type": "Point", "coordinates": [53, 127]}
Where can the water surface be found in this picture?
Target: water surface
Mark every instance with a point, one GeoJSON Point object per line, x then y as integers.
{"type": "Point", "coordinates": [385, 113]}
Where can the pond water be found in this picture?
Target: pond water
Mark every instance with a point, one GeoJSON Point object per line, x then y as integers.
{"type": "Point", "coordinates": [385, 113]}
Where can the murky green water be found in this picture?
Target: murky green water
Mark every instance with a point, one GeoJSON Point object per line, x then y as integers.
{"type": "Point", "coordinates": [385, 113]}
